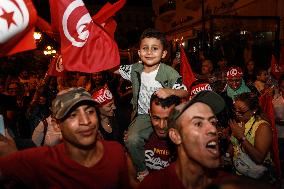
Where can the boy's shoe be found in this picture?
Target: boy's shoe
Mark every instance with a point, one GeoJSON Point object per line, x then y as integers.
{"type": "Point", "coordinates": [141, 175]}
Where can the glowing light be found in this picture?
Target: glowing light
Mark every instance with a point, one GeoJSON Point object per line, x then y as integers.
{"type": "Point", "coordinates": [243, 32]}
{"type": "Point", "coordinates": [37, 35]}
{"type": "Point", "coordinates": [49, 50]}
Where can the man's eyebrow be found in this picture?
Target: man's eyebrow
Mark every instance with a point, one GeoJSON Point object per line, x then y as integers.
{"type": "Point", "coordinates": [199, 117]}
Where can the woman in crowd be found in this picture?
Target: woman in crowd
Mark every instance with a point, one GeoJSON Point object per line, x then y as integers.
{"type": "Point", "coordinates": [250, 72]}
{"type": "Point", "coordinates": [251, 138]}
{"type": "Point", "coordinates": [235, 82]}
{"type": "Point", "coordinates": [109, 127]}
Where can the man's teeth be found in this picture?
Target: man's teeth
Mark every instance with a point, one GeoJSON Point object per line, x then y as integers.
{"type": "Point", "coordinates": [211, 144]}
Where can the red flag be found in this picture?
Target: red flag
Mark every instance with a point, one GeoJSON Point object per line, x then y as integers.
{"type": "Point", "coordinates": [105, 14]}
{"type": "Point", "coordinates": [266, 105]}
{"type": "Point", "coordinates": [107, 11]}
{"type": "Point", "coordinates": [276, 69]}
{"type": "Point", "coordinates": [17, 20]}
{"type": "Point", "coordinates": [46, 28]}
{"type": "Point", "coordinates": [185, 70]}
{"type": "Point", "coordinates": [85, 46]}
{"type": "Point", "coordinates": [56, 67]}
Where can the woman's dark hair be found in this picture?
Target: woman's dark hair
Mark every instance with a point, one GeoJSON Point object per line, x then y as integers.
{"type": "Point", "coordinates": [251, 100]}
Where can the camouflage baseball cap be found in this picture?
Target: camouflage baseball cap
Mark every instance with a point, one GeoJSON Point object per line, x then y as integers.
{"type": "Point", "coordinates": [67, 99]}
{"type": "Point", "coordinates": [212, 99]}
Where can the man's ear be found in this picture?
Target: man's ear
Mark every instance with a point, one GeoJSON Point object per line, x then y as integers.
{"type": "Point", "coordinates": [55, 125]}
{"type": "Point", "coordinates": [164, 54]}
{"type": "Point", "coordinates": [174, 136]}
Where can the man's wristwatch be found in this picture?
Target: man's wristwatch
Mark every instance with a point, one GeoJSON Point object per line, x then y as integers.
{"type": "Point", "coordinates": [241, 140]}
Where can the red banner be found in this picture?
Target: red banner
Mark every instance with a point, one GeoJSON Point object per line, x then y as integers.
{"type": "Point", "coordinates": [185, 70]}
{"type": "Point", "coordinates": [85, 46]}
{"type": "Point", "coordinates": [56, 67]}
{"type": "Point", "coordinates": [17, 20]}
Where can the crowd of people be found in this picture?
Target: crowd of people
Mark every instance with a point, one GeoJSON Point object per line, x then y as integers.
{"type": "Point", "coordinates": [80, 130]}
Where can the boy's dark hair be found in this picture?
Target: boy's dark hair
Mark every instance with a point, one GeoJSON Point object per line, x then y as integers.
{"type": "Point", "coordinates": [153, 33]}
{"type": "Point", "coordinates": [259, 71]}
{"type": "Point", "coordinates": [164, 102]}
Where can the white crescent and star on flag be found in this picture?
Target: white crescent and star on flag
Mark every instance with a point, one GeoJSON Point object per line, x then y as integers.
{"type": "Point", "coordinates": [80, 37]}
{"type": "Point", "coordinates": [14, 18]}
{"type": "Point", "coordinates": [59, 66]}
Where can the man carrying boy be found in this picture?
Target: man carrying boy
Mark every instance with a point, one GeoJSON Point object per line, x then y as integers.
{"type": "Point", "coordinates": [160, 151]}
{"type": "Point", "coordinates": [193, 130]}
{"type": "Point", "coordinates": [148, 77]}
{"type": "Point", "coordinates": [81, 161]}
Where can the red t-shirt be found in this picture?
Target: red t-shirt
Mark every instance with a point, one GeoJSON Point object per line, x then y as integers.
{"type": "Point", "coordinates": [49, 167]}
{"type": "Point", "coordinates": [159, 153]}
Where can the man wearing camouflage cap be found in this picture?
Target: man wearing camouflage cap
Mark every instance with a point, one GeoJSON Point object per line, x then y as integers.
{"type": "Point", "coordinates": [81, 161]}
{"type": "Point", "coordinates": [193, 130]}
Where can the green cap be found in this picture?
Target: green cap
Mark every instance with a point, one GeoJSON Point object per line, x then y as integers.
{"type": "Point", "coordinates": [212, 99]}
{"type": "Point", "coordinates": [67, 99]}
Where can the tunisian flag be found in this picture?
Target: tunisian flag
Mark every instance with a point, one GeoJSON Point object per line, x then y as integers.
{"type": "Point", "coordinates": [265, 101]}
{"type": "Point", "coordinates": [17, 20]}
{"type": "Point", "coordinates": [56, 67]}
{"type": "Point", "coordinates": [85, 46]}
{"type": "Point", "coordinates": [185, 70]}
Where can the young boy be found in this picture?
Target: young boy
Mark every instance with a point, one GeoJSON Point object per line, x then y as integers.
{"type": "Point", "coordinates": [148, 77]}
{"type": "Point", "coordinates": [261, 80]}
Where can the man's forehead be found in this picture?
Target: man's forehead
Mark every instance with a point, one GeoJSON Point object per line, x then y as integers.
{"type": "Point", "coordinates": [161, 108]}
{"type": "Point", "coordinates": [197, 109]}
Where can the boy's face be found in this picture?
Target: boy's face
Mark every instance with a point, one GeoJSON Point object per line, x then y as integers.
{"type": "Point", "coordinates": [263, 76]}
{"type": "Point", "coordinates": [80, 127]}
{"type": "Point", "coordinates": [151, 51]}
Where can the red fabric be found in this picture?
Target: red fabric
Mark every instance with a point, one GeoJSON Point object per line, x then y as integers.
{"type": "Point", "coordinates": [159, 153]}
{"type": "Point", "coordinates": [17, 26]}
{"type": "Point", "coordinates": [46, 27]}
{"type": "Point", "coordinates": [107, 11]}
{"type": "Point", "coordinates": [85, 46]}
{"type": "Point", "coordinates": [276, 69]}
{"type": "Point", "coordinates": [105, 14]}
{"type": "Point", "coordinates": [103, 96]}
{"type": "Point", "coordinates": [200, 87]}
{"type": "Point", "coordinates": [56, 67]}
{"type": "Point", "coordinates": [50, 167]}
{"type": "Point", "coordinates": [110, 26]}
{"type": "Point", "coordinates": [185, 70]}
{"type": "Point", "coordinates": [234, 72]}
{"type": "Point", "coordinates": [265, 102]}
{"type": "Point", "coordinates": [164, 179]}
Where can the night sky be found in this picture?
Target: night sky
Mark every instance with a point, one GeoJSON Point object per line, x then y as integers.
{"type": "Point", "coordinates": [42, 6]}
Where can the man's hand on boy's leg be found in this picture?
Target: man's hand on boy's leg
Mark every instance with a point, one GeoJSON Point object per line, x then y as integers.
{"type": "Point", "coordinates": [164, 92]}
